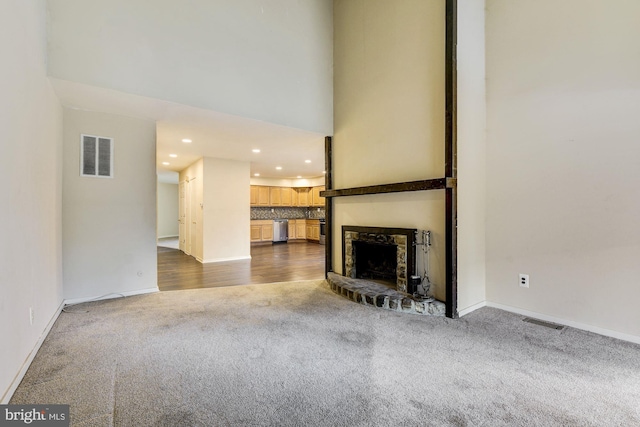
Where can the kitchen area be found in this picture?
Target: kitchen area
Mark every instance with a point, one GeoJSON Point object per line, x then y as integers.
{"type": "Point", "coordinates": [287, 214]}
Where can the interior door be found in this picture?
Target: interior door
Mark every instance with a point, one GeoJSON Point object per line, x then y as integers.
{"type": "Point", "coordinates": [193, 216]}
{"type": "Point", "coordinates": [182, 217]}
{"type": "Point", "coordinates": [187, 218]}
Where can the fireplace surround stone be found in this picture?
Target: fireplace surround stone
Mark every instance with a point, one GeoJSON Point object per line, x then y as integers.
{"type": "Point", "coordinates": [402, 238]}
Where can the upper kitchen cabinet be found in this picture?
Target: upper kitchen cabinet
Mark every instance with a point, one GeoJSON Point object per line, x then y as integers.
{"type": "Point", "coordinates": [281, 196]}
{"type": "Point", "coordinates": [259, 196]}
{"type": "Point", "coordinates": [275, 196]}
{"type": "Point", "coordinates": [286, 196]}
{"type": "Point", "coordinates": [317, 200]}
{"type": "Point", "coordinates": [253, 201]}
{"type": "Point", "coordinates": [304, 196]}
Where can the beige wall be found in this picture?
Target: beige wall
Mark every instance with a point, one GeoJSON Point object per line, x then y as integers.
{"type": "Point", "coordinates": [419, 210]}
{"type": "Point", "coordinates": [269, 61]}
{"type": "Point", "coordinates": [109, 225]}
{"type": "Point", "coordinates": [388, 92]}
{"type": "Point", "coordinates": [389, 116]}
{"type": "Point", "coordinates": [562, 159]}
{"type": "Point", "coordinates": [31, 173]}
{"type": "Point", "coordinates": [471, 154]}
{"type": "Point", "coordinates": [226, 212]}
{"type": "Point", "coordinates": [167, 209]}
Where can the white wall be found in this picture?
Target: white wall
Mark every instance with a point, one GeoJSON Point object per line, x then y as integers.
{"type": "Point", "coordinates": [109, 225]}
{"type": "Point", "coordinates": [220, 209]}
{"type": "Point", "coordinates": [562, 159]}
{"type": "Point", "coordinates": [167, 210]}
{"type": "Point", "coordinates": [31, 173]}
{"type": "Point", "coordinates": [389, 117]}
{"type": "Point", "coordinates": [471, 153]}
{"type": "Point", "coordinates": [226, 213]}
{"type": "Point", "coordinates": [270, 61]}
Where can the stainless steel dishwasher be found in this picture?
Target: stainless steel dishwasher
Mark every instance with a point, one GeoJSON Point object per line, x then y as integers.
{"type": "Point", "coordinates": [280, 230]}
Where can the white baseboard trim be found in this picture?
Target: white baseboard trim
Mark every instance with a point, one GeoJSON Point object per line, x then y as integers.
{"type": "Point", "coordinates": [166, 237]}
{"type": "Point", "coordinates": [240, 258]}
{"type": "Point", "coordinates": [472, 308]}
{"type": "Point", "coordinates": [559, 321]}
{"type": "Point", "coordinates": [27, 362]}
{"type": "Point", "coordinates": [111, 296]}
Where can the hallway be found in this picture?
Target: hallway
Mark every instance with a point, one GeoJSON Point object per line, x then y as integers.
{"type": "Point", "coordinates": [269, 264]}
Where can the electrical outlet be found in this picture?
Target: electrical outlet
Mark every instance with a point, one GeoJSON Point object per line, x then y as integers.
{"type": "Point", "coordinates": [524, 280]}
{"type": "Point", "coordinates": [31, 315]}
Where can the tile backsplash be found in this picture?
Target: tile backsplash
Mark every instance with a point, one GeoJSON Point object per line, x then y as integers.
{"type": "Point", "coordinates": [287, 213]}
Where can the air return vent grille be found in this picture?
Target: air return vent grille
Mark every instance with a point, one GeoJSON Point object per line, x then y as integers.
{"type": "Point", "coordinates": [543, 323]}
{"type": "Point", "coordinates": [96, 156]}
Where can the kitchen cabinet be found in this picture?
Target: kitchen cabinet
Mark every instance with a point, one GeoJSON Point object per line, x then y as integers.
{"type": "Point", "coordinates": [285, 196]}
{"type": "Point", "coordinates": [301, 232]}
{"type": "Point", "coordinates": [281, 196]}
{"type": "Point", "coordinates": [316, 199]}
{"type": "Point", "coordinates": [294, 196]}
{"type": "Point", "coordinates": [254, 196]}
{"type": "Point", "coordinates": [256, 233]}
{"type": "Point", "coordinates": [292, 229]}
{"type": "Point", "coordinates": [303, 197]}
{"type": "Point", "coordinates": [313, 230]}
{"type": "Point", "coordinates": [275, 196]}
{"type": "Point", "coordinates": [261, 231]}
{"type": "Point", "coordinates": [267, 232]}
{"type": "Point", "coordinates": [259, 195]}
{"type": "Point", "coordinates": [297, 229]}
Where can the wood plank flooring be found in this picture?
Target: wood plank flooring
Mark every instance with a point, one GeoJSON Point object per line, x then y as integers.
{"type": "Point", "coordinates": [282, 262]}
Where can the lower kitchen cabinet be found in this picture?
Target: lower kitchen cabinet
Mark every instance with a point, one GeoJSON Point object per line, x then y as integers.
{"type": "Point", "coordinates": [301, 232]}
{"type": "Point", "coordinates": [292, 229]}
{"type": "Point", "coordinates": [261, 231]}
{"type": "Point", "coordinates": [256, 233]}
{"type": "Point", "coordinates": [313, 230]}
{"type": "Point", "coordinates": [299, 229]}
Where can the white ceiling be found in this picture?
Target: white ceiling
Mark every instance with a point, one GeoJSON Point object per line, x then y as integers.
{"type": "Point", "coordinates": [213, 134]}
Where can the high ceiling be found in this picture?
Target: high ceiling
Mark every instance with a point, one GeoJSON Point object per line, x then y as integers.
{"type": "Point", "coordinates": [212, 134]}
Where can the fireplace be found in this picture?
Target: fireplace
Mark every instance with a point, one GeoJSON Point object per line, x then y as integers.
{"type": "Point", "coordinates": [382, 254]}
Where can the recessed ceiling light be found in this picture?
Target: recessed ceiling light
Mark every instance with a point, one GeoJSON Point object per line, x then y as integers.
{"type": "Point", "coordinates": [256, 174]}
{"type": "Point", "coordinates": [166, 163]}
{"type": "Point", "coordinates": [279, 168]}
{"type": "Point", "coordinates": [307, 161]}
{"type": "Point", "coordinates": [324, 171]}
{"type": "Point", "coordinates": [256, 150]}
{"type": "Point", "coordinates": [173, 155]}
{"type": "Point", "coordinates": [186, 141]}
{"type": "Point", "coordinates": [298, 177]}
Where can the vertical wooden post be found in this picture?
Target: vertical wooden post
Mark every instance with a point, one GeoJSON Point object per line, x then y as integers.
{"type": "Point", "coordinates": [328, 206]}
{"type": "Point", "coordinates": [451, 168]}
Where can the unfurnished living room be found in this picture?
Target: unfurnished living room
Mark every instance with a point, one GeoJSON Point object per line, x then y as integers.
{"type": "Point", "coordinates": [386, 212]}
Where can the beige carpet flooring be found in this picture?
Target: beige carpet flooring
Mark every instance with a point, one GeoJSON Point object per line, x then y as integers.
{"type": "Point", "coordinates": [296, 354]}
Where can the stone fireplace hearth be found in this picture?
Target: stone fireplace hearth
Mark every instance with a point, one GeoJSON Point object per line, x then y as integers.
{"type": "Point", "coordinates": [381, 254]}
{"type": "Point", "coordinates": [389, 257]}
